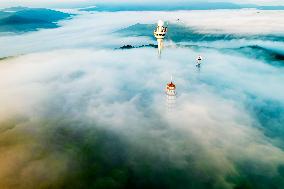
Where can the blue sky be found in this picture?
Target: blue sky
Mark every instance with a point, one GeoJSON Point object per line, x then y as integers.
{"type": "Point", "coordinates": [68, 3]}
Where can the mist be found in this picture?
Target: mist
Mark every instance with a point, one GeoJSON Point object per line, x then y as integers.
{"type": "Point", "coordinates": [77, 112]}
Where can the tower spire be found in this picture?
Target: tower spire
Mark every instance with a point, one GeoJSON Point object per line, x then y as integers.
{"type": "Point", "coordinates": [160, 33]}
{"type": "Point", "coordinates": [198, 61]}
{"type": "Point", "coordinates": [171, 94]}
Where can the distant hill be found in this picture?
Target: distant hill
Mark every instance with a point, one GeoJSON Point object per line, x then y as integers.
{"type": "Point", "coordinates": [159, 7]}
{"type": "Point", "coordinates": [271, 7]}
{"type": "Point", "coordinates": [13, 9]}
{"type": "Point", "coordinates": [22, 19]}
{"type": "Point", "coordinates": [175, 6]}
{"type": "Point", "coordinates": [181, 33]}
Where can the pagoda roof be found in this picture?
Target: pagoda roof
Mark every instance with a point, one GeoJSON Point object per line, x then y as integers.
{"type": "Point", "coordinates": [171, 84]}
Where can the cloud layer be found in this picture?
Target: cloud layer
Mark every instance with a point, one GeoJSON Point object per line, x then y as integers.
{"type": "Point", "coordinates": [76, 113]}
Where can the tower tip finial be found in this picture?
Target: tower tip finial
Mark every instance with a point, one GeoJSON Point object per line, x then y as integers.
{"type": "Point", "coordinates": [160, 23]}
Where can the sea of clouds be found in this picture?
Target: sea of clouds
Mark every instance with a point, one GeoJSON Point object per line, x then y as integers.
{"type": "Point", "coordinates": [76, 112]}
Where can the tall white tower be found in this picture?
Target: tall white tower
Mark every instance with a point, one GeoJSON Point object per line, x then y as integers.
{"type": "Point", "coordinates": [160, 34]}
{"type": "Point", "coordinates": [198, 60]}
{"type": "Point", "coordinates": [171, 94]}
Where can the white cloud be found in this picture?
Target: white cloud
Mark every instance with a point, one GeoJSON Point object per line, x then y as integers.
{"type": "Point", "coordinates": [235, 21]}
{"type": "Point", "coordinates": [216, 132]}
{"type": "Point", "coordinates": [73, 73]}
{"type": "Point", "coordinates": [95, 28]}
